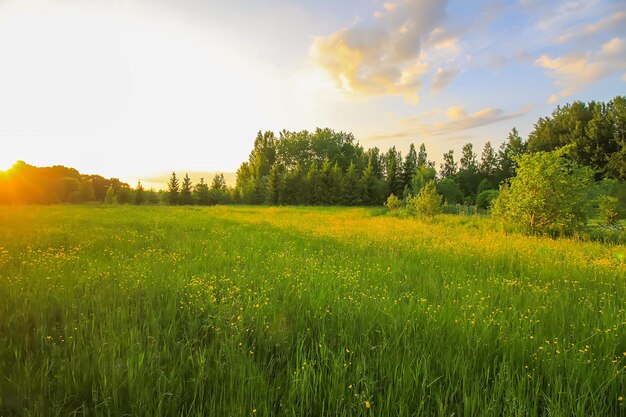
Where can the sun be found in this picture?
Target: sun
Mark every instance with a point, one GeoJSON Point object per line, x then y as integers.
{"type": "Point", "coordinates": [5, 163]}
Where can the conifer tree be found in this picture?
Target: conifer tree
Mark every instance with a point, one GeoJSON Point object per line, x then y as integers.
{"type": "Point", "coordinates": [272, 191]}
{"type": "Point", "coordinates": [352, 187]}
{"type": "Point", "coordinates": [448, 166]}
{"type": "Point", "coordinates": [314, 185]}
{"type": "Point", "coordinates": [335, 185]}
{"type": "Point", "coordinates": [186, 198]}
{"type": "Point", "coordinates": [173, 189]}
{"type": "Point", "coordinates": [139, 194]}
{"type": "Point", "coordinates": [201, 193]}
{"type": "Point", "coordinates": [368, 180]}
{"type": "Point", "coordinates": [409, 167]}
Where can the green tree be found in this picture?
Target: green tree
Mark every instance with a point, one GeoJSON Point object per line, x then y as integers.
{"type": "Point", "coordinates": [548, 195]}
{"type": "Point", "coordinates": [186, 198]}
{"type": "Point", "coordinates": [201, 193]}
{"type": "Point", "coordinates": [352, 187]}
{"type": "Point", "coordinates": [450, 191]}
{"type": "Point", "coordinates": [272, 191]}
{"type": "Point", "coordinates": [335, 185]}
{"type": "Point", "coordinates": [409, 167]}
{"type": "Point", "coordinates": [109, 198]}
{"type": "Point", "coordinates": [173, 189]}
{"type": "Point", "coordinates": [488, 162]}
{"type": "Point", "coordinates": [609, 209]}
{"type": "Point", "coordinates": [448, 167]}
{"type": "Point", "coordinates": [140, 197]}
{"type": "Point", "coordinates": [423, 175]}
{"type": "Point", "coordinates": [427, 203]}
{"type": "Point", "coordinates": [219, 190]}
{"type": "Point", "coordinates": [508, 153]}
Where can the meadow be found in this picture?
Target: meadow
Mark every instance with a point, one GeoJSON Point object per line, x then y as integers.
{"type": "Point", "coordinates": [253, 311]}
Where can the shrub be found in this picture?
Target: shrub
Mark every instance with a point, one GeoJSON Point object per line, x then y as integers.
{"type": "Point", "coordinates": [608, 207]}
{"type": "Point", "coordinates": [485, 199]}
{"type": "Point", "coordinates": [427, 203]}
{"type": "Point", "coordinates": [393, 203]}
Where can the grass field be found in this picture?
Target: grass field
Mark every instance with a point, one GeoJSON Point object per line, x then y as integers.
{"type": "Point", "coordinates": [241, 311]}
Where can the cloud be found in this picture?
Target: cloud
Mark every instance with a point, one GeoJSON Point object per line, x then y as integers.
{"type": "Point", "coordinates": [382, 57]}
{"type": "Point", "coordinates": [575, 71]}
{"type": "Point", "coordinates": [457, 120]}
{"type": "Point", "coordinates": [604, 24]}
{"type": "Point", "coordinates": [442, 78]}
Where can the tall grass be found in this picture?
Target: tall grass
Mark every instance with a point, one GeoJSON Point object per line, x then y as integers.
{"type": "Point", "coordinates": [158, 311]}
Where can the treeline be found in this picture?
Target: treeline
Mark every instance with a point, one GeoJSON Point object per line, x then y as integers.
{"type": "Point", "coordinates": [27, 184]}
{"type": "Point", "coordinates": [325, 167]}
{"type": "Point", "coordinates": [330, 168]}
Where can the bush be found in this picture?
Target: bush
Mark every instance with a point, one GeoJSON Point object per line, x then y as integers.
{"type": "Point", "coordinates": [427, 203]}
{"type": "Point", "coordinates": [485, 199]}
{"type": "Point", "coordinates": [393, 203]}
{"type": "Point", "coordinates": [609, 210]}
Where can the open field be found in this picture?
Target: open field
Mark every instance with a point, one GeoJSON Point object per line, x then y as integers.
{"type": "Point", "coordinates": [241, 311]}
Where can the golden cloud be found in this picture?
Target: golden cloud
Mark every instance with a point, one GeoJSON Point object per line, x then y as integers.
{"type": "Point", "coordinates": [383, 57]}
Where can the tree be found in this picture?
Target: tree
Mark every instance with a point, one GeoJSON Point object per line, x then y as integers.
{"type": "Point", "coordinates": [140, 197]}
{"type": "Point", "coordinates": [409, 167]}
{"type": "Point", "coordinates": [548, 195]}
{"type": "Point", "coordinates": [335, 184]}
{"type": "Point", "coordinates": [508, 153]}
{"type": "Point", "coordinates": [173, 189]}
{"type": "Point", "coordinates": [314, 185]}
{"type": "Point", "coordinates": [272, 191]}
{"type": "Point", "coordinates": [468, 177]}
{"type": "Point", "coordinates": [423, 175]}
{"type": "Point", "coordinates": [448, 166]}
{"type": "Point", "coordinates": [186, 198]}
{"type": "Point", "coordinates": [109, 198]}
{"type": "Point", "coordinates": [370, 184]}
{"type": "Point", "coordinates": [428, 202]}
{"type": "Point", "coordinates": [219, 190]}
{"type": "Point", "coordinates": [450, 191]}
{"type": "Point", "coordinates": [352, 187]}
{"type": "Point", "coordinates": [422, 158]}
{"type": "Point", "coordinates": [201, 193]}
{"type": "Point", "coordinates": [393, 171]}
{"type": "Point", "coordinates": [488, 162]}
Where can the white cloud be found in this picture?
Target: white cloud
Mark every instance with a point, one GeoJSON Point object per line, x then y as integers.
{"type": "Point", "coordinates": [442, 78]}
{"type": "Point", "coordinates": [457, 120]}
{"type": "Point", "coordinates": [382, 57]}
{"type": "Point", "coordinates": [575, 71]}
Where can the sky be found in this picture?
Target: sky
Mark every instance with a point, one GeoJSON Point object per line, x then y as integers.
{"type": "Point", "coordinates": [138, 89]}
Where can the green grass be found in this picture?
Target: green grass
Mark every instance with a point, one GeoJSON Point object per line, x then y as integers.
{"type": "Point", "coordinates": [158, 311]}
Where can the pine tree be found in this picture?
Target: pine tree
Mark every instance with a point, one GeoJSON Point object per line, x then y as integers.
{"type": "Point", "coordinates": [352, 187]}
{"type": "Point", "coordinates": [314, 186]}
{"type": "Point", "coordinates": [272, 190]}
{"type": "Point", "coordinates": [422, 157]}
{"type": "Point", "coordinates": [369, 180]}
{"type": "Point", "coordinates": [186, 198]}
{"type": "Point", "coordinates": [488, 162]}
{"type": "Point", "coordinates": [173, 189]}
{"type": "Point", "coordinates": [409, 167]}
{"type": "Point", "coordinates": [335, 182]}
{"type": "Point", "coordinates": [139, 194]}
{"type": "Point", "coordinates": [201, 193]}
